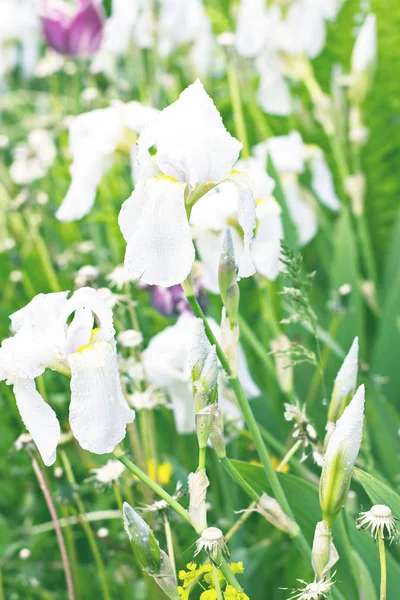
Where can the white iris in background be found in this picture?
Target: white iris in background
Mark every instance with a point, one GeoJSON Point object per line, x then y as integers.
{"type": "Point", "coordinates": [219, 209]}
{"type": "Point", "coordinates": [380, 520]}
{"type": "Point", "coordinates": [290, 156]}
{"type": "Point", "coordinates": [33, 158]}
{"type": "Point", "coordinates": [94, 137]}
{"type": "Point", "coordinates": [167, 365]}
{"type": "Point", "coordinates": [270, 34]}
{"type": "Point", "coordinates": [85, 349]}
{"type": "Point", "coordinates": [194, 153]}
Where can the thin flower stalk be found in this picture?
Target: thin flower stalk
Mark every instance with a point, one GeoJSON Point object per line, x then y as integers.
{"type": "Point", "coordinates": [57, 529]}
{"type": "Point", "coordinates": [300, 540]}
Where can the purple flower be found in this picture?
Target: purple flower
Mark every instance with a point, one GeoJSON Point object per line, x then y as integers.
{"type": "Point", "coordinates": [172, 301]}
{"type": "Point", "coordinates": [77, 34]}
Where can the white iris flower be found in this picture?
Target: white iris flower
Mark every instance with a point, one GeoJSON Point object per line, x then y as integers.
{"type": "Point", "coordinates": [167, 364]}
{"type": "Point", "coordinates": [213, 213]}
{"type": "Point", "coordinates": [290, 156]}
{"type": "Point", "coordinates": [82, 349]}
{"type": "Point", "coordinates": [194, 153]}
{"type": "Point", "coordinates": [94, 138]}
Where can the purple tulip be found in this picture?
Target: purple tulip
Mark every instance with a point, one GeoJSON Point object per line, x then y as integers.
{"type": "Point", "coordinates": [172, 301]}
{"type": "Point", "coordinates": [78, 34]}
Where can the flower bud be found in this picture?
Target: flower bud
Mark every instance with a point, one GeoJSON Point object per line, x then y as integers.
{"type": "Point", "coordinates": [204, 423]}
{"type": "Point", "coordinates": [230, 342]}
{"type": "Point", "coordinates": [228, 285]}
{"type": "Point", "coordinates": [204, 367]}
{"type": "Point", "coordinates": [340, 457]}
{"type": "Point", "coordinates": [153, 560]}
{"type": "Point", "coordinates": [198, 483]}
{"type": "Point", "coordinates": [363, 59]}
{"type": "Point", "coordinates": [345, 383]}
{"type": "Point", "coordinates": [324, 554]}
{"type": "Point", "coordinates": [217, 434]}
{"type": "Point", "coordinates": [271, 510]}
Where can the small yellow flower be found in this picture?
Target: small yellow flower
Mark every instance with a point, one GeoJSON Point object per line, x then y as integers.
{"type": "Point", "coordinates": [209, 595]}
{"type": "Point", "coordinates": [232, 594]}
{"type": "Point", "coordinates": [164, 471]}
{"type": "Point", "coordinates": [237, 568]}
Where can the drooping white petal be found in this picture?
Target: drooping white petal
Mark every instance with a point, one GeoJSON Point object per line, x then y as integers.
{"type": "Point", "coordinates": [192, 143]}
{"type": "Point", "coordinates": [246, 217]}
{"type": "Point", "coordinates": [160, 249]}
{"type": "Point", "coordinates": [99, 412]}
{"type": "Point", "coordinates": [322, 182]}
{"type": "Point", "coordinates": [365, 47]}
{"type": "Point", "coordinates": [39, 419]}
{"type": "Point", "coordinates": [93, 137]}
{"type": "Point", "coordinates": [302, 213]}
{"type": "Point", "coordinates": [266, 246]}
{"type": "Point", "coordinates": [251, 28]}
{"type": "Point", "coordinates": [88, 298]}
{"type": "Point", "coordinates": [87, 171]}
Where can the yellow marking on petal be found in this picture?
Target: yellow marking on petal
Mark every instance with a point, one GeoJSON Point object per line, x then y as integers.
{"type": "Point", "coordinates": [167, 178]}
{"type": "Point", "coordinates": [86, 346]}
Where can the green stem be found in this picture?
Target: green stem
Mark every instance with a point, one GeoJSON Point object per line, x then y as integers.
{"type": "Point", "coordinates": [120, 455]}
{"type": "Point", "coordinates": [236, 526]}
{"type": "Point", "coordinates": [258, 348]}
{"type": "Point", "coordinates": [216, 582]}
{"type": "Point", "coordinates": [240, 125]}
{"type": "Point", "coordinates": [252, 425]}
{"type": "Point", "coordinates": [366, 248]}
{"type": "Point", "coordinates": [288, 456]}
{"type": "Point", "coordinates": [382, 559]}
{"type": "Point", "coordinates": [202, 458]}
{"type": "Point", "coordinates": [86, 527]}
{"type": "Point", "coordinates": [236, 476]}
{"type": "Point", "coordinates": [170, 544]}
{"type": "Point", "coordinates": [229, 576]}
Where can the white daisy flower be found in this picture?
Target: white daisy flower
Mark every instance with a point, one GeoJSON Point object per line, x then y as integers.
{"type": "Point", "coordinates": [33, 158]}
{"type": "Point", "coordinates": [378, 519]}
{"type": "Point", "coordinates": [317, 590]}
{"type": "Point", "coordinates": [109, 472]}
{"type": "Point", "coordinates": [212, 540]}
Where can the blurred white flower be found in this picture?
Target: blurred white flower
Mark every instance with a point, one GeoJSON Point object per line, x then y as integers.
{"type": "Point", "coordinates": [365, 48]}
{"type": "Point", "coordinates": [33, 158]}
{"type": "Point", "coordinates": [16, 276]}
{"type": "Point", "coordinates": [50, 63]}
{"type": "Point", "coordinates": [167, 366]}
{"type": "Point", "coordinates": [24, 553]}
{"type": "Point", "coordinates": [130, 338]}
{"type": "Point", "coordinates": [19, 36]}
{"type": "Point", "coordinates": [194, 154]}
{"type": "Point", "coordinates": [85, 275]}
{"type": "Point", "coordinates": [272, 33]}
{"type": "Point", "coordinates": [186, 24]}
{"type": "Point", "coordinates": [316, 590]}
{"type": "Point", "coordinates": [120, 276]}
{"type": "Point", "coordinates": [147, 400]}
{"type": "Point", "coordinates": [94, 137]}
{"type": "Point", "coordinates": [109, 472]}
{"type": "Point", "coordinates": [44, 339]}
{"type": "Point", "coordinates": [290, 157]}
